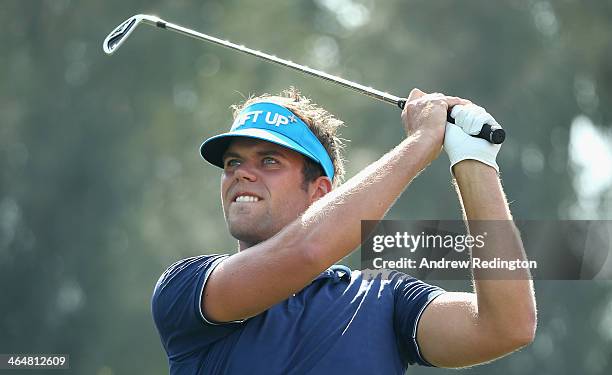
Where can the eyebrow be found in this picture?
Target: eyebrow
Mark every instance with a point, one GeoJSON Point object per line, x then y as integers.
{"type": "Point", "coordinates": [269, 152]}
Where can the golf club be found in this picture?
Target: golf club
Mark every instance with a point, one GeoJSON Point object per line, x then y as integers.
{"type": "Point", "coordinates": [492, 133]}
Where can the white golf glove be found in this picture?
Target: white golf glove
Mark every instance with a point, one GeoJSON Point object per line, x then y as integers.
{"type": "Point", "coordinates": [458, 142]}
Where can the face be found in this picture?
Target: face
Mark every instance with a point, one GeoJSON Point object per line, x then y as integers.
{"type": "Point", "coordinates": [261, 189]}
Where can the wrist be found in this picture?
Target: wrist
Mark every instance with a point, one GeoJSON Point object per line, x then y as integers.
{"type": "Point", "coordinates": [428, 144]}
{"type": "Point", "coordinates": [429, 136]}
{"type": "Point", "coordinates": [472, 169]}
{"type": "Point", "coordinates": [420, 150]}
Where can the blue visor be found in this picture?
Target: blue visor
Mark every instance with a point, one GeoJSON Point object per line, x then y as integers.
{"type": "Point", "coordinates": [273, 123]}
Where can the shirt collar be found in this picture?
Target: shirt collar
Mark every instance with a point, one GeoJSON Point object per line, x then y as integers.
{"type": "Point", "coordinates": [336, 272]}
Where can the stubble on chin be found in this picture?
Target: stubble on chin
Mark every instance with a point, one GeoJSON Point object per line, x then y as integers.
{"type": "Point", "coordinates": [249, 230]}
{"type": "Point", "coordinates": [247, 235]}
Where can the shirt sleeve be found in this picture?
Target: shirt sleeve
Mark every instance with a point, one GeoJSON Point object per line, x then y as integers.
{"type": "Point", "coordinates": [176, 307]}
{"type": "Point", "coordinates": [411, 298]}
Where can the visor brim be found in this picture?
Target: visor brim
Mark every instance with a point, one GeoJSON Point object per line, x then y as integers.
{"type": "Point", "coordinates": [213, 148]}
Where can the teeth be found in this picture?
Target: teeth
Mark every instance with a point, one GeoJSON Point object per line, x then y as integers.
{"type": "Point", "coordinates": [246, 198]}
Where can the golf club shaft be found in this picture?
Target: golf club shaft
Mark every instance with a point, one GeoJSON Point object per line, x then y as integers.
{"type": "Point", "coordinates": [369, 91]}
{"type": "Point", "coordinates": [491, 133]}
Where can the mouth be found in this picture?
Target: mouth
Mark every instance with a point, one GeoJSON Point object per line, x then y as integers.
{"type": "Point", "coordinates": [246, 198]}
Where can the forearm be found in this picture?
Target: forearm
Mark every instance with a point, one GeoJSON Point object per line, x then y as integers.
{"type": "Point", "coordinates": [251, 281]}
{"type": "Point", "coordinates": [332, 225]}
{"type": "Point", "coordinates": [505, 297]}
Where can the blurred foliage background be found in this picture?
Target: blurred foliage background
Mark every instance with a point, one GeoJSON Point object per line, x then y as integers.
{"type": "Point", "coordinates": [102, 186]}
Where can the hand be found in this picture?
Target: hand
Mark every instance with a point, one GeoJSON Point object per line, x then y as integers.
{"type": "Point", "coordinates": [424, 116]}
{"type": "Point", "coordinates": [458, 142]}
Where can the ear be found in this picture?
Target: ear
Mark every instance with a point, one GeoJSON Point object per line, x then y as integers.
{"type": "Point", "coordinates": [319, 187]}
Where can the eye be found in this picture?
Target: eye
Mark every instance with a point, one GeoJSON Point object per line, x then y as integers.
{"type": "Point", "coordinates": [269, 161]}
{"type": "Point", "coordinates": [229, 163]}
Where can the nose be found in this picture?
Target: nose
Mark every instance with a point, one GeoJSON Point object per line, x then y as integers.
{"type": "Point", "coordinates": [244, 172]}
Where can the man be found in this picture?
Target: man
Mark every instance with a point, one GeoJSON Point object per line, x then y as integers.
{"type": "Point", "coordinates": [279, 306]}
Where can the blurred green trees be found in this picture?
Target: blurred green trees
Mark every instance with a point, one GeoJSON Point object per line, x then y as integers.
{"type": "Point", "coordinates": [102, 186]}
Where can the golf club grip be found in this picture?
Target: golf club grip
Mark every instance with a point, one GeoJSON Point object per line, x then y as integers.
{"type": "Point", "coordinates": [491, 133]}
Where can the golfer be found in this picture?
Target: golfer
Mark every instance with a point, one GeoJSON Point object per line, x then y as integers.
{"type": "Point", "coordinates": [280, 305]}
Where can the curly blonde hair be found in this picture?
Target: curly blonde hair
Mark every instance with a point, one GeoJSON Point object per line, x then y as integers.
{"type": "Point", "coordinates": [322, 123]}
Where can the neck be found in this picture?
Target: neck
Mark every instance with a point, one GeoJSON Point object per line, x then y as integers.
{"type": "Point", "coordinates": [242, 245]}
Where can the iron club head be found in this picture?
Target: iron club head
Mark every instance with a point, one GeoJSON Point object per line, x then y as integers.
{"type": "Point", "coordinates": [121, 32]}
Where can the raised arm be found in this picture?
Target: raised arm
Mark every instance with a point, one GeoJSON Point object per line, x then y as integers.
{"type": "Point", "coordinates": [463, 329]}
{"type": "Point", "coordinates": [251, 281]}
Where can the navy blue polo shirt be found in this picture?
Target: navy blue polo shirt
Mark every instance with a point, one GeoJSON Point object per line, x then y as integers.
{"type": "Point", "coordinates": [359, 322]}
